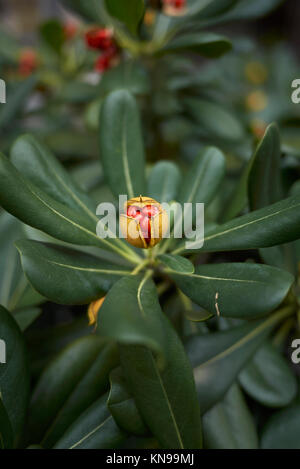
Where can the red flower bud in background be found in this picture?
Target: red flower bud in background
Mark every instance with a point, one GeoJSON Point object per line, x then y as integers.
{"type": "Point", "coordinates": [70, 30]}
{"type": "Point", "coordinates": [99, 38]}
{"type": "Point", "coordinates": [27, 62]}
{"type": "Point", "coordinates": [107, 59]}
{"type": "Point", "coordinates": [174, 7]}
{"type": "Point", "coordinates": [178, 4]}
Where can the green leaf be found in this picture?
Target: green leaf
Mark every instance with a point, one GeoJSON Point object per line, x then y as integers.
{"type": "Point", "coordinates": [163, 182]}
{"type": "Point", "coordinates": [9, 47]}
{"type": "Point", "coordinates": [207, 44]}
{"type": "Point", "coordinates": [53, 35]}
{"type": "Point", "coordinates": [44, 344]}
{"type": "Point", "coordinates": [177, 263]}
{"type": "Point", "coordinates": [283, 429]}
{"type": "Point", "coordinates": [242, 290]}
{"type": "Point", "coordinates": [36, 208]}
{"type": "Point", "coordinates": [121, 144]}
{"type": "Point", "coordinates": [14, 374]}
{"type": "Point", "coordinates": [229, 424]}
{"type": "Point", "coordinates": [129, 75]}
{"type": "Point", "coordinates": [16, 97]}
{"type": "Point", "coordinates": [94, 429]}
{"type": "Point", "coordinates": [122, 406]}
{"type": "Point", "coordinates": [260, 182]}
{"type": "Point", "coordinates": [213, 7]}
{"type": "Point", "coordinates": [73, 381]}
{"type": "Point", "coordinates": [78, 92]}
{"type": "Point", "coordinates": [168, 408]}
{"type": "Point", "coordinates": [69, 145]}
{"type": "Point", "coordinates": [6, 431]}
{"type": "Point", "coordinates": [243, 10]}
{"type": "Point", "coordinates": [130, 13]}
{"type": "Point", "coordinates": [252, 10]}
{"type": "Point", "coordinates": [90, 11]}
{"type": "Point", "coordinates": [218, 358]}
{"type": "Point", "coordinates": [215, 120]}
{"type": "Point", "coordinates": [66, 276]}
{"type": "Point", "coordinates": [264, 184]}
{"type": "Point", "coordinates": [204, 177]}
{"type": "Point", "coordinates": [10, 269]}
{"type": "Point", "coordinates": [36, 162]}
{"type": "Point", "coordinates": [131, 314]}
{"type": "Point", "coordinates": [268, 379]}
{"type": "Point", "coordinates": [276, 224]}
{"type": "Point", "coordinates": [26, 316]}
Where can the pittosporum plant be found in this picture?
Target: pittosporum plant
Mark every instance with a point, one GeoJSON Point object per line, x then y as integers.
{"type": "Point", "coordinates": [177, 333]}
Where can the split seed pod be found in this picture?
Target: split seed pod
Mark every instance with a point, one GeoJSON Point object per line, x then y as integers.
{"type": "Point", "coordinates": [144, 222]}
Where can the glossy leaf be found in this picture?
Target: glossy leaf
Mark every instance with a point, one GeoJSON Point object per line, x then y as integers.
{"type": "Point", "coordinates": [260, 182]}
{"type": "Point", "coordinates": [26, 316]}
{"type": "Point", "coordinates": [129, 75]}
{"type": "Point", "coordinates": [15, 291]}
{"type": "Point", "coordinates": [94, 429]}
{"type": "Point", "coordinates": [215, 120]}
{"type": "Point", "coordinates": [207, 44]}
{"type": "Point", "coordinates": [163, 182]}
{"type": "Point", "coordinates": [52, 33]}
{"type": "Point", "coordinates": [16, 98]}
{"type": "Point", "coordinates": [217, 358]}
{"type": "Point", "coordinates": [244, 290]}
{"type": "Point", "coordinates": [264, 184]}
{"type": "Point", "coordinates": [88, 10]}
{"type": "Point", "coordinates": [177, 263]}
{"type": "Point", "coordinates": [131, 314]}
{"type": "Point", "coordinates": [121, 144]}
{"type": "Point", "coordinates": [122, 406]}
{"type": "Point", "coordinates": [67, 276]}
{"type": "Point", "coordinates": [36, 208]}
{"type": "Point", "coordinates": [169, 409]}
{"type": "Point", "coordinates": [283, 429]}
{"type": "Point", "coordinates": [255, 9]}
{"type": "Point", "coordinates": [36, 162]}
{"type": "Point", "coordinates": [204, 177]}
{"type": "Point", "coordinates": [6, 431]}
{"type": "Point", "coordinates": [229, 424]}
{"type": "Point", "coordinates": [276, 224]}
{"type": "Point", "coordinates": [213, 8]}
{"type": "Point", "coordinates": [244, 10]}
{"type": "Point", "coordinates": [268, 378]}
{"type": "Point", "coordinates": [129, 13]}
{"type": "Point", "coordinates": [10, 268]}
{"type": "Point", "coordinates": [69, 385]}
{"type": "Point", "coordinates": [14, 374]}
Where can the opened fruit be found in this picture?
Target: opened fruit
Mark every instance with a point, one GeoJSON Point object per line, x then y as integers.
{"type": "Point", "coordinates": [144, 222]}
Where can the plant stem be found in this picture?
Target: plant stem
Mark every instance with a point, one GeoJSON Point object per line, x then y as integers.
{"type": "Point", "coordinates": [140, 267]}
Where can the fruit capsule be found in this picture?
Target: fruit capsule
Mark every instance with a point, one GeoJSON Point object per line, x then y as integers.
{"type": "Point", "coordinates": [144, 222]}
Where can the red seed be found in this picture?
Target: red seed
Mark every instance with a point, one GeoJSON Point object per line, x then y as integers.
{"type": "Point", "coordinates": [150, 211]}
{"type": "Point", "coordinates": [133, 211]}
{"type": "Point", "coordinates": [145, 225]}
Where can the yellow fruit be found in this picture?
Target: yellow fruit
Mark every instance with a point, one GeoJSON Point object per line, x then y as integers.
{"type": "Point", "coordinates": [144, 222]}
